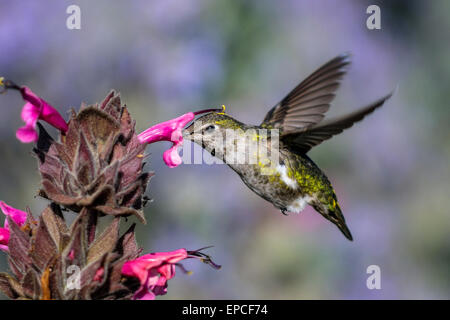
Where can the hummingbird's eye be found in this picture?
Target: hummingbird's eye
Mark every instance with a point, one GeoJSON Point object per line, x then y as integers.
{"type": "Point", "coordinates": [209, 129]}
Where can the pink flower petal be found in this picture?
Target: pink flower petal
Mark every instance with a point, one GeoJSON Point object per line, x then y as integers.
{"type": "Point", "coordinates": [71, 254]}
{"type": "Point", "coordinates": [53, 117]}
{"type": "Point", "coordinates": [18, 216]}
{"type": "Point", "coordinates": [160, 287]}
{"type": "Point", "coordinates": [153, 270]}
{"type": "Point", "coordinates": [99, 274]}
{"type": "Point", "coordinates": [171, 156]}
{"type": "Point", "coordinates": [144, 294]}
{"type": "Point", "coordinates": [27, 134]}
{"type": "Point", "coordinates": [138, 268]}
{"type": "Point", "coordinates": [4, 238]}
{"type": "Point", "coordinates": [170, 130]}
{"type": "Point", "coordinates": [164, 131]}
{"type": "Point", "coordinates": [34, 109]}
{"type": "Point", "coordinates": [30, 96]}
{"type": "Point", "coordinates": [30, 113]}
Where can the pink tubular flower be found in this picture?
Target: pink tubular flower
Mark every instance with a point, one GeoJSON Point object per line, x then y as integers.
{"type": "Point", "coordinates": [4, 238]}
{"type": "Point", "coordinates": [170, 131]}
{"type": "Point", "coordinates": [154, 269]}
{"type": "Point", "coordinates": [18, 216]}
{"type": "Point", "coordinates": [34, 109]}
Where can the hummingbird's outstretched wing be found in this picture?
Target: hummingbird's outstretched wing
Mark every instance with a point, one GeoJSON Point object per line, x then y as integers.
{"type": "Point", "coordinates": [302, 141]}
{"type": "Point", "coordinates": [306, 105]}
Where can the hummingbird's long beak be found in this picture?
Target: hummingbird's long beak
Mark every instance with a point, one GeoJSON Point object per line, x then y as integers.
{"type": "Point", "coordinates": [188, 133]}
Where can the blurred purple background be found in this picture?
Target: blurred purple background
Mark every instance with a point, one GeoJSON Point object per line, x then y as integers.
{"type": "Point", "coordinates": [391, 172]}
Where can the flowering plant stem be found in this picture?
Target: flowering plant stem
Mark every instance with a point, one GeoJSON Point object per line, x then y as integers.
{"type": "Point", "coordinates": [93, 169]}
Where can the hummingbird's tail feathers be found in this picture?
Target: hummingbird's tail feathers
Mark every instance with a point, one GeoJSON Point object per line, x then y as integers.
{"type": "Point", "coordinates": [344, 229]}
{"type": "Point", "coordinates": [303, 141]}
{"type": "Point", "coordinates": [334, 214]}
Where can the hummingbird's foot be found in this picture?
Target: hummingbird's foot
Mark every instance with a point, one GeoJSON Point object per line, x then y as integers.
{"type": "Point", "coordinates": [283, 211]}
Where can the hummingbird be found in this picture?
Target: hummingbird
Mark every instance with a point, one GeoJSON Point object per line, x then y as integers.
{"type": "Point", "coordinates": [295, 180]}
